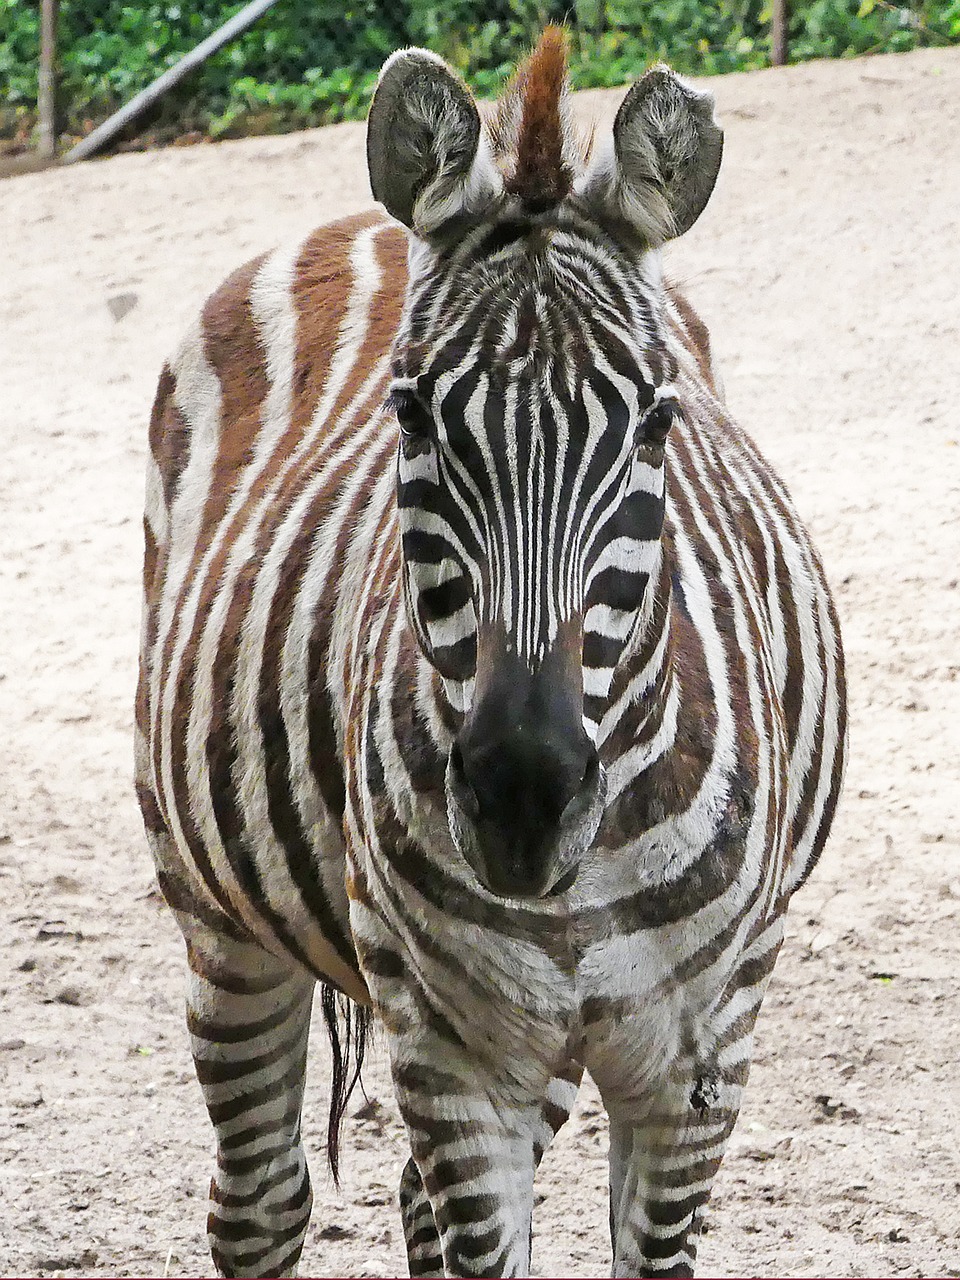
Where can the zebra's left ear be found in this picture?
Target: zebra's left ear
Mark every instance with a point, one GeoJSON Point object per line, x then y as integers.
{"type": "Point", "coordinates": [660, 166]}
{"type": "Point", "coordinates": [428, 158]}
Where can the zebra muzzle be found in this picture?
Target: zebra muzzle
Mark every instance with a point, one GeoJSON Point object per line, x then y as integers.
{"type": "Point", "coordinates": [522, 817]}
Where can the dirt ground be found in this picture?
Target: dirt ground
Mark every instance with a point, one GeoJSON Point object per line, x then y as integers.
{"type": "Point", "coordinates": [828, 267]}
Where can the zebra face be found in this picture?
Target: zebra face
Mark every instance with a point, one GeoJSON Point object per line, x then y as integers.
{"type": "Point", "coordinates": [532, 390]}
{"type": "Point", "coordinates": [531, 501]}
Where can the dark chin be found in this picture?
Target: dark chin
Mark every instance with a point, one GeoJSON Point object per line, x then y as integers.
{"type": "Point", "coordinates": [506, 885]}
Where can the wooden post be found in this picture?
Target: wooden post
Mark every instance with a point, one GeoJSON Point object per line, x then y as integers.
{"type": "Point", "coordinates": [173, 75]}
{"type": "Point", "coordinates": [778, 33]}
{"type": "Point", "coordinates": [47, 88]}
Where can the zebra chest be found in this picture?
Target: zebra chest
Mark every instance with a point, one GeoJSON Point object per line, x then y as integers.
{"type": "Point", "coordinates": [543, 982]}
{"type": "Point", "coordinates": [635, 1019]}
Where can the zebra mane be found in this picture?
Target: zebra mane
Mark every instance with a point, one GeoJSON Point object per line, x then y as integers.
{"type": "Point", "coordinates": [532, 128]}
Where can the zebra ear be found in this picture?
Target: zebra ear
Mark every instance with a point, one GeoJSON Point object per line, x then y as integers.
{"type": "Point", "coordinates": [428, 158]}
{"type": "Point", "coordinates": [662, 162]}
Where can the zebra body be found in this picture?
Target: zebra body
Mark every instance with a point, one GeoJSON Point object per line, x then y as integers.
{"type": "Point", "coordinates": [325, 651]}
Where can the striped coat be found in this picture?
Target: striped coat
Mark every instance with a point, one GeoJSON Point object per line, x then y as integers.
{"type": "Point", "coordinates": [293, 748]}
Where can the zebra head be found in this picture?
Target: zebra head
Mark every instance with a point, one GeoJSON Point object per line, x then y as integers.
{"type": "Point", "coordinates": [533, 392]}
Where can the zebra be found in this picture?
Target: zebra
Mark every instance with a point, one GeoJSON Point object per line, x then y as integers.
{"type": "Point", "coordinates": [488, 678]}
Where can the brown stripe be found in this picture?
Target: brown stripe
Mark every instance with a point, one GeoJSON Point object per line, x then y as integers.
{"type": "Point", "coordinates": [150, 810]}
{"type": "Point", "coordinates": [694, 335]}
{"type": "Point", "coordinates": [284, 813]}
{"type": "Point", "coordinates": [792, 694]}
{"type": "Point", "coordinates": [150, 556]}
{"type": "Point", "coordinates": [835, 764]}
{"type": "Point", "coordinates": [183, 900]}
{"type": "Point", "coordinates": [149, 636]}
{"type": "Point", "coordinates": [232, 346]}
{"type": "Point", "coordinates": [323, 261]}
{"type": "Point", "coordinates": [668, 786]}
{"type": "Point", "coordinates": [325, 761]}
{"type": "Point", "coordinates": [811, 777]}
{"type": "Point", "coordinates": [741, 539]}
{"type": "Point", "coordinates": [425, 765]}
{"type": "Point", "coordinates": [233, 350]}
{"type": "Point", "coordinates": [168, 436]}
{"type": "Point", "coordinates": [248, 983]}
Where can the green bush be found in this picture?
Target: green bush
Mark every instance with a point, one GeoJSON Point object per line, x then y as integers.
{"type": "Point", "coordinates": [314, 61]}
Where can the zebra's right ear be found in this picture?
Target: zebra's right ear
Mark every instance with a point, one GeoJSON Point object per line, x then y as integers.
{"type": "Point", "coordinates": [427, 155]}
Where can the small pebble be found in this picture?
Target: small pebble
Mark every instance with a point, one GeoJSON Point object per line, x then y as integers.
{"type": "Point", "coordinates": [121, 304]}
{"type": "Point", "coordinates": [333, 1231]}
{"type": "Point", "coordinates": [66, 884]}
{"type": "Point", "coordinates": [27, 1100]}
{"type": "Point", "coordinates": [72, 994]}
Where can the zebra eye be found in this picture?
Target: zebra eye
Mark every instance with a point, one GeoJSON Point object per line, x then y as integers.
{"type": "Point", "coordinates": [657, 423]}
{"type": "Point", "coordinates": [411, 414]}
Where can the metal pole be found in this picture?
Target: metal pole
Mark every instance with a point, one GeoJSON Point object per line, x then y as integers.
{"type": "Point", "coordinates": [47, 88]}
{"type": "Point", "coordinates": [778, 33]}
{"type": "Point", "coordinates": [173, 75]}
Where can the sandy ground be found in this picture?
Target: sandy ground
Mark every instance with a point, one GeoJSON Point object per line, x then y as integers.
{"type": "Point", "coordinates": [828, 267]}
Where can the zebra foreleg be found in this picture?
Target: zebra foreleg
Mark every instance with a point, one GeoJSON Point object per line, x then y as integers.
{"type": "Point", "coordinates": [424, 1255]}
{"type": "Point", "coordinates": [249, 1020]}
{"type": "Point", "coordinates": [661, 1171]}
{"type": "Point", "coordinates": [483, 1251]}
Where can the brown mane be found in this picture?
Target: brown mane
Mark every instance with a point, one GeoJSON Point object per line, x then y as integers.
{"type": "Point", "coordinates": [541, 178]}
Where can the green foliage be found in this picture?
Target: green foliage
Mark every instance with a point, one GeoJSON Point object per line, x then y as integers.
{"type": "Point", "coordinates": [622, 36]}
{"type": "Point", "coordinates": [314, 61]}
{"type": "Point", "coordinates": [305, 61]}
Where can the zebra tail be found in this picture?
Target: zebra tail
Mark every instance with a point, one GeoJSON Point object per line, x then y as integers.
{"type": "Point", "coordinates": [348, 1027]}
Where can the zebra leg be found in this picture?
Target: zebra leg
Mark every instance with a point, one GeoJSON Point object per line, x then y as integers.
{"type": "Point", "coordinates": [661, 1171]}
{"type": "Point", "coordinates": [424, 1255]}
{"type": "Point", "coordinates": [249, 1019]}
{"type": "Point", "coordinates": [424, 1252]}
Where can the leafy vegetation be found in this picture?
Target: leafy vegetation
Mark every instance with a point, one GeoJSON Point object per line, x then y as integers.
{"type": "Point", "coordinates": [316, 61]}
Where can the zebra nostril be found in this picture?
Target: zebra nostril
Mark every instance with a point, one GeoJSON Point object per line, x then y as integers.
{"type": "Point", "coordinates": [464, 792]}
{"type": "Point", "coordinates": [591, 773]}
{"type": "Point", "coordinates": [590, 783]}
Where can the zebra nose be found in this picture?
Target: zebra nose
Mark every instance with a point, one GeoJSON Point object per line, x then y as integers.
{"type": "Point", "coordinates": [519, 796]}
{"type": "Point", "coordinates": [466, 796]}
